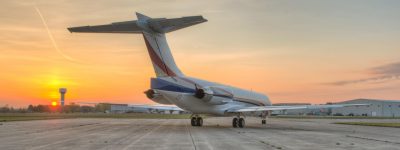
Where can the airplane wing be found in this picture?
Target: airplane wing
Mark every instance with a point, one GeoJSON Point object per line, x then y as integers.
{"type": "Point", "coordinates": [269, 108]}
{"type": "Point", "coordinates": [158, 107]}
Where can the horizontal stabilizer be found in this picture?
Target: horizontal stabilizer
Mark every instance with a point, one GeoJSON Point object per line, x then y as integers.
{"type": "Point", "coordinates": [144, 23]}
{"type": "Point", "coordinates": [118, 27]}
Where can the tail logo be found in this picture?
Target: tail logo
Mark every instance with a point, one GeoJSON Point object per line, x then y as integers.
{"type": "Point", "coordinates": [157, 60]}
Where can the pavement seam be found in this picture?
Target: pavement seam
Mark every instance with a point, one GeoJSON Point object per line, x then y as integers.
{"type": "Point", "coordinates": [140, 138]}
{"type": "Point", "coordinates": [371, 139]}
{"type": "Point", "coordinates": [129, 133]}
{"type": "Point", "coordinates": [191, 137]}
{"type": "Point", "coordinates": [257, 139]}
{"type": "Point", "coordinates": [61, 141]}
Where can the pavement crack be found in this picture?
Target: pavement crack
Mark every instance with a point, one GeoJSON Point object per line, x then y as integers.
{"type": "Point", "coordinates": [372, 139]}
{"type": "Point", "coordinates": [258, 140]}
{"type": "Point", "coordinates": [191, 137]}
{"type": "Point", "coordinates": [143, 136]}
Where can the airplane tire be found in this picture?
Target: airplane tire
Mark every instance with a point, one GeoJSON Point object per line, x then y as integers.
{"type": "Point", "coordinates": [235, 122]}
{"type": "Point", "coordinates": [193, 121]}
{"type": "Point", "coordinates": [199, 121]}
{"type": "Point", "coordinates": [241, 123]}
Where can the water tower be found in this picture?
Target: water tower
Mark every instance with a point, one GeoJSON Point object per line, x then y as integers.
{"type": "Point", "coordinates": [62, 92]}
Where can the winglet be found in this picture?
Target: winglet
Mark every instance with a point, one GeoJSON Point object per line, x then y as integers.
{"type": "Point", "coordinates": [142, 17]}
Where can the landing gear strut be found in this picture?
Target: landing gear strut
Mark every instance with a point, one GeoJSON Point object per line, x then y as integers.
{"type": "Point", "coordinates": [238, 122]}
{"type": "Point", "coordinates": [196, 121]}
{"type": "Point", "coordinates": [264, 116]}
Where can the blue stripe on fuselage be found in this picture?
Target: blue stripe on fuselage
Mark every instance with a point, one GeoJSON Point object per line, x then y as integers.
{"type": "Point", "coordinates": [160, 84]}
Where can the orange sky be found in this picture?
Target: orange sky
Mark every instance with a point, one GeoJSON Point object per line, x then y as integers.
{"type": "Point", "coordinates": [309, 51]}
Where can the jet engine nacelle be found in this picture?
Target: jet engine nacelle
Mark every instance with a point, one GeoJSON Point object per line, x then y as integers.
{"type": "Point", "coordinates": [208, 95]}
{"type": "Point", "coordinates": [156, 97]}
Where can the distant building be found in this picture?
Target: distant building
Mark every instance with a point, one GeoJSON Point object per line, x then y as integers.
{"type": "Point", "coordinates": [380, 108]}
{"type": "Point", "coordinates": [119, 108]}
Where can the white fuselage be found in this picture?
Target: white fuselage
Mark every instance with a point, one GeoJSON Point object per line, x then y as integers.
{"type": "Point", "coordinates": [180, 91]}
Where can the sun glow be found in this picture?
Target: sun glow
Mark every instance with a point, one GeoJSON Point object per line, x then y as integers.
{"type": "Point", "coordinates": [54, 82]}
{"type": "Point", "coordinates": [53, 103]}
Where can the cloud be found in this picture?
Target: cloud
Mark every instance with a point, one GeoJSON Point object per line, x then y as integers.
{"type": "Point", "coordinates": [384, 73]}
{"type": "Point", "coordinates": [390, 69]}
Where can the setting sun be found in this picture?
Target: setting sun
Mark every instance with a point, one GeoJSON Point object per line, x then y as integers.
{"type": "Point", "coordinates": [53, 103]}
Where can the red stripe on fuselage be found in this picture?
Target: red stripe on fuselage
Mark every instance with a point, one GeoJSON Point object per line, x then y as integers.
{"type": "Point", "coordinates": [157, 60]}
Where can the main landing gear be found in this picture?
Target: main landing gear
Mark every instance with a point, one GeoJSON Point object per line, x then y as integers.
{"type": "Point", "coordinates": [263, 122]}
{"type": "Point", "coordinates": [238, 122]}
{"type": "Point", "coordinates": [264, 116]}
{"type": "Point", "coordinates": [196, 121]}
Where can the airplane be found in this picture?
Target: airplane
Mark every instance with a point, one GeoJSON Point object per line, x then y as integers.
{"type": "Point", "coordinates": [172, 87]}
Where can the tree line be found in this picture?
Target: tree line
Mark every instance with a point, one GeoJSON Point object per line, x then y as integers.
{"type": "Point", "coordinates": [71, 108]}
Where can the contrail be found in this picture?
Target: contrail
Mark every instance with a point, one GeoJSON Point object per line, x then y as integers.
{"type": "Point", "coordinates": [52, 38]}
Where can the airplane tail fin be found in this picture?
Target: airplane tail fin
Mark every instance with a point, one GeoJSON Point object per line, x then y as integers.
{"type": "Point", "coordinates": [153, 30]}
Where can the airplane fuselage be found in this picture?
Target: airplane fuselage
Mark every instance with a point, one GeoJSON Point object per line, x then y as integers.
{"type": "Point", "coordinates": [217, 97]}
